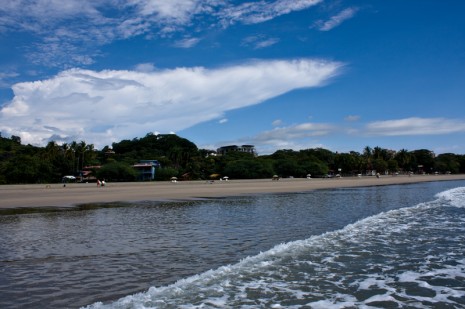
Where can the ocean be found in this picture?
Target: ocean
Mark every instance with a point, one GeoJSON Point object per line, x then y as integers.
{"type": "Point", "coordinates": [399, 246]}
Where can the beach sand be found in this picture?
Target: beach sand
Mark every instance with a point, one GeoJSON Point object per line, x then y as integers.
{"type": "Point", "coordinates": [55, 195]}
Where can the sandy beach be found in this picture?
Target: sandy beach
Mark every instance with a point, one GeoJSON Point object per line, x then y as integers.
{"type": "Point", "coordinates": [55, 195]}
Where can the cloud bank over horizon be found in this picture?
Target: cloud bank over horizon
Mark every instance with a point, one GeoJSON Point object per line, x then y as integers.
{"type": "Point", "coordinates": [107, 106]}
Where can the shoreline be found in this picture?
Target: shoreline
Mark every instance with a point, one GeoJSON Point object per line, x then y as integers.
{"type": "Point", "coordinates": [75, 194]}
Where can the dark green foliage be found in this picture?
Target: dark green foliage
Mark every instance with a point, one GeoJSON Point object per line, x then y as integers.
{"type": "Point", "coordinates": [448, 162]}
{"type": "Point", "coordinates": [22, 169]}
{"type": "Point", "coordinates": [165, 173]}
{"type": "Point", "coordinates": [316, 169]}
{"type": "Point", "coordinates": [248, 169]}
{"type": "Point", "coordinates": [182, 159]}
{"type": "Point", "coordinates": [116, 171]}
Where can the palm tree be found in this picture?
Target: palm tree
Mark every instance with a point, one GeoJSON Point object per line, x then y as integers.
{"type": "Point", "coordinates": [51, 151]}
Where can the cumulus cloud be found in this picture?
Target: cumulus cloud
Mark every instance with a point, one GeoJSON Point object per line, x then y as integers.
{"type": "Point", "coordinates": [415, 126]}
{"type": "Point", "coordinates": [107, 106]}
{"type": "Point", "coordinates": [336, 20]}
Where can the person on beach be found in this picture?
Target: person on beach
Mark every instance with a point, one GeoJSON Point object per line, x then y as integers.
{"type": "Point", "coordinates": [103, 183]}
{"type": "Point", "coordinates": [98, 183]}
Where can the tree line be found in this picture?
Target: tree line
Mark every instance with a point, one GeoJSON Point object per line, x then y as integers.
{"type": "Point", "coordinates": [179, 157]}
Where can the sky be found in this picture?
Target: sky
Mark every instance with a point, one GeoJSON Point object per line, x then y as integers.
{"type": "Point", "coordinates": [276, 74]}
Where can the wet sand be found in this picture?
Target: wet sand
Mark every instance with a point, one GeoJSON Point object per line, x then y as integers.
{"type": "Point", "coordinates": [55, 195]}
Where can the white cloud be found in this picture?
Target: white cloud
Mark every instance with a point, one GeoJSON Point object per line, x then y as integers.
{"type": "Point", "coordinates": [352, 118]}
{"type": "Point", "coordinates": [277, 122]}
{"type": "Point", "coordinates": [145, 67]}
{"type": "Point", "coordinates": [266, 43]}
{"type": "Point", "coordinates": [5, 77]}
{"type": "Point", "coordinates": [224, 120]}
{"type": "Point", "coordinates": [67, 30]}
{"type": "Point", "coordinates": [259, 41]}
{"type": "Point", "coordinates": [336, 20]}
{"type": "Point", "coordinates": [261, 11]}
{"type": "Point", "coordinates": [296, 137]}
{"type": "Point", "coordinates": [187, 42]}
{"type": "Point", "coordinates": [106, 106]}
{"type": "Point", "coordinates": [297, 131]}
{"type": "Point", "coordinates": [173, 11]}
{"type": "Point", "coordinates": [415, 126]}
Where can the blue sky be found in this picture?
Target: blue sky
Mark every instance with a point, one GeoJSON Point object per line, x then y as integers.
{"type": "Point", "coordinates": [282, 74]}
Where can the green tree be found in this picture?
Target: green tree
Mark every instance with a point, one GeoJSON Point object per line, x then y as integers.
{"type": "Point", "coordinates": [380, 166]}
{"type": "Point", "coordinates": [288, 167]}
{"type": "Point", "coordinates": [347, 162]}
{"type": "Point", "coordinates": [166, 173]}
{"type": "Point", "coordinates": [249, 169]}
{"type": "Point", "coordinates": [316, 168]}
{"type": "Point", "coordinates": [447, 162]}
{"type": "Point", "coordinates": [116, 171]}
{"type": "Point", "coordinates": [404, 159]}
{"type": "Point", "coordinates": [423, 160]}
{"type": "Point", "coordinates": [393, 166]}
{"type": "Point", "coordinates": [22, 169]}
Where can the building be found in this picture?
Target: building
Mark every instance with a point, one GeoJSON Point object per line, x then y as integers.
{"type": "Point", "coordinates": [88, 173]}
{"type": "Point", "coordinates": [146, 169]}
{"type": "Point", "coordinates": [244, 148]}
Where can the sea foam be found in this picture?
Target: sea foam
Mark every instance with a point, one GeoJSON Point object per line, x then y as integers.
{"type": "Point", "coordinates": [382, 260]}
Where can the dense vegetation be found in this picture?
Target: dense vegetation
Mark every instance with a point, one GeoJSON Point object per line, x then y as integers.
{"type": "Point", "coordinates": [181, 158]}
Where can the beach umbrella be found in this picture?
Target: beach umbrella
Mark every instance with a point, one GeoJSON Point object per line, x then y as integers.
{"type": "Point", "coordinates": [174, 179]}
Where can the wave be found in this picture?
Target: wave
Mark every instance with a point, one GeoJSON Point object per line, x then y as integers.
{"type": "Point", "coordinates": [456, 196]}
{"type": "Point", "coordinates": [388, 259]}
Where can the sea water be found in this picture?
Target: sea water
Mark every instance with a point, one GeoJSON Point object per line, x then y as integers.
{"type": "Point", "coordinates": [377, 247]}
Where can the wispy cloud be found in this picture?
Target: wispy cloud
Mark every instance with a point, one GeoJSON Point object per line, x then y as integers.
{"type": "Point", "coordinates": [114, 105]}
{"type": "Point", "coordinates": [261, 11]}
{"type": "Point", "coordinates": [259, 41]}
{"type": "Point", "coordinates": [297, 131]}
{"type": "Point", "coordinates": [266, 43]}
{"type": "Point", "coordinates": [5, 78]}
{"type": "Point", "coordinates": [277, 122]}
{"type": "Point", "coordinates": [187, 42]}
{"type": "Point", "coordinates": [336, 20]}
{"type": "Point", "coordinates": [352, 118]}
{"type": "Point", "coordinates": [296, 137]}
{"type": "Point", "coordinates": [67, 30]}
{"type": "Point", "coordinates": [415, 126]}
